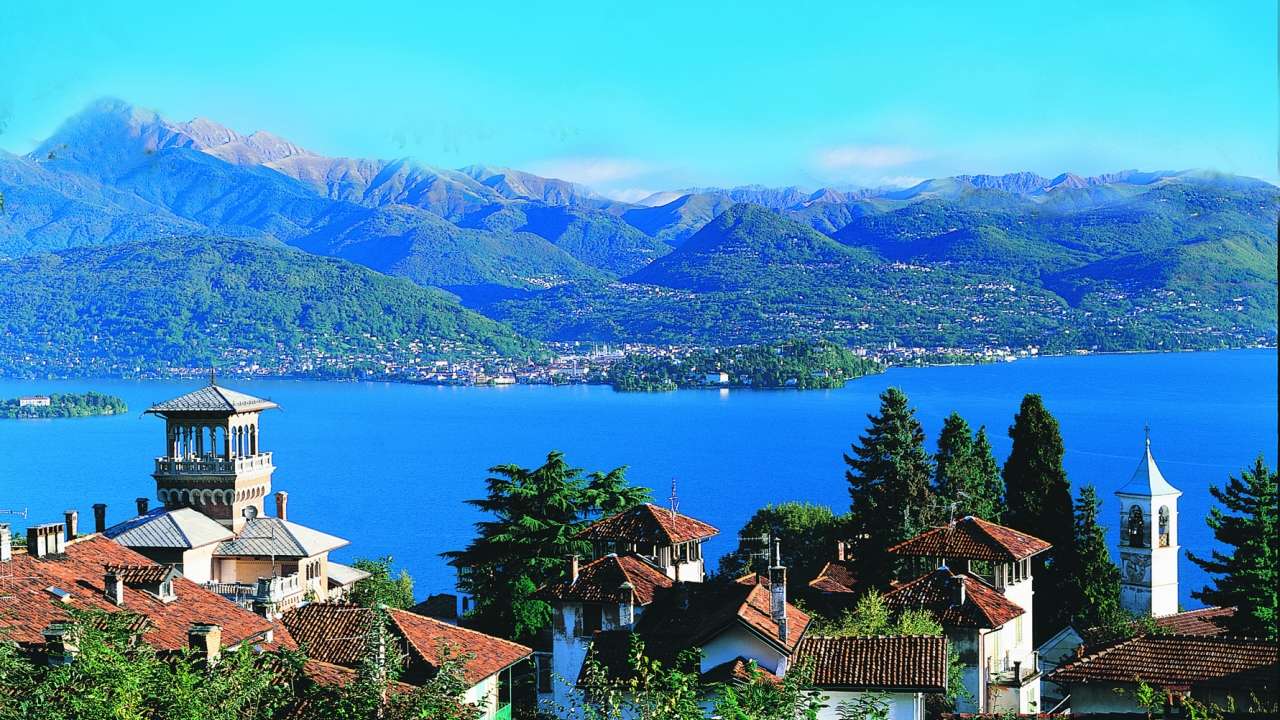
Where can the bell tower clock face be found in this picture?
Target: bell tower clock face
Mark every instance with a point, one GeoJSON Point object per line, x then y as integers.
{"type": "Point", "coordinates": [1135, 566]}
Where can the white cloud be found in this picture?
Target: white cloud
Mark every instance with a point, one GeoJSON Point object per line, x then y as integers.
{"type": "Point", "coordinates": [588, 170]}
{"type": "Point", "coordinates": [902, 181]}
{"type": "Point", "coordinates": [628, 195]}
{"type": "Point", "coordinates": [869, 156]}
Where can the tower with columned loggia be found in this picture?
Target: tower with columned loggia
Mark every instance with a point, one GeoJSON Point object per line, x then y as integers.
{"type": "Point", "coordinates": [212, 462]}
{"type": "Point", "coordinates": [1149, 541]}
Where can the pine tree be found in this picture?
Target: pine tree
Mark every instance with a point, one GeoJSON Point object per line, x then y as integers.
{"type": "Point", "coordinates": [889, 486]}
{"type": "Point", "coordinates": [536, 514]}
{"type": "Point", "coordinates": [1248, 577]}
{"type": "Point", "coordinates": [966, 471]}
{"type": "Point", "coordinates": [1038, 502]}
{"type": "Point", "coordinates": [1091, 578]}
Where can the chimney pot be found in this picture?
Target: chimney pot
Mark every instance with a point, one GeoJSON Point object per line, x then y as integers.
{"type": "Point", "coordinates": [142, 505]}
{"type": "Point", "coordinates": [282, 505]}
{"type": "Point", "coordinates": [100, 518]}
{"type": "Point", "coordinates": [6, 543]}
{"type": "Point", "coordinates": [61, 643]}
{"type": "Point", "coordinates": [72, 523]}
{"type": "Point", "coordinates": [205, 642]}
{"type": "Point", "coordinates": [113, 588]}
{"type": "Point", "coordinates": [573, 569]}
{"type": "Point", "coordinates": [48, 539]}
{"type": "Point", "coordinates": [957, 592]}
{"type": "Point", "coordinates": [840, 551]}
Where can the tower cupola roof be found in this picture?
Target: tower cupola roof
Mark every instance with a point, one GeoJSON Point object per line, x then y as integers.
{"type": "Point", "coordinates": [212, 398]}
{"type": "Point", "coordinates": [1147, 480]}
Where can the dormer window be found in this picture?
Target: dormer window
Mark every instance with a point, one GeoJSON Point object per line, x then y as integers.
{"type": "Point", "coordinates": [1137, 528]}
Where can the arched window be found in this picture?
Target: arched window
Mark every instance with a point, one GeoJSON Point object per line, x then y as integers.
{"type": "Point", "coordinates": [1137, 528]}
{"type": "Point", "coordinates": [1164, 526]}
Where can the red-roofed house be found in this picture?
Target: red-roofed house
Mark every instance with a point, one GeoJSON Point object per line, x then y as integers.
{"type": "Point", "coordinates": [334, 633]}
{"type": "Point", "coordinates": [902, 667]}
{"type": "Point", "coordinates": [671, 541]}
{"type": "Point", "coordinates": [981, 593]}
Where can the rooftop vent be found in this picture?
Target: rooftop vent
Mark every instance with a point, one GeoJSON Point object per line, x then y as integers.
{"type": "Point", "coordinates": [59, 594]}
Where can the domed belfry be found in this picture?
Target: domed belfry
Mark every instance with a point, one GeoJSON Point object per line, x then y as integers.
{"type": "Point", "coordinates": [212, 461]}
{"type": "Point", "coordinates": [1149, 541]}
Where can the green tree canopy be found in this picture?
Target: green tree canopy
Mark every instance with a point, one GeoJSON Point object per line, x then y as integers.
{"type": "Point", "coordinates": [382, 587]}
{"type": "Point", "coordinates": [1248, 576]}
{"type": "Point", "coordinates": [889, 486]}
{"type": "Point", "coordinates": [534, 517]}
{"type": "Point", "coordinates": [1092, 579]}
{"type": "Point", "coordinates": [1038, 502]}
{"type": "Point", "coordinates": [808, 534]}
{"type": "Point", "coordinates": [965, 471]}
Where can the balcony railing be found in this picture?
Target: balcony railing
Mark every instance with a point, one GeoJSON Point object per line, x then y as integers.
{"type": "Point", "coordinates": [503, 713]}
{"type": "Point", "coordinates": [265, 590]}
{"type": "Point", "coordinates": [1019, 672]}
{"type": "Point", "coordinates": [211, 464]}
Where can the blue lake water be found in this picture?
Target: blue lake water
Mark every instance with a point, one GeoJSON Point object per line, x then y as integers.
{"type": "Point", "coordinates": [388, 466]}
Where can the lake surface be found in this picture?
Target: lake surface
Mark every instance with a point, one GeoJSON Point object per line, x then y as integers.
{"type": "Point", "coordinates": [388, 466]}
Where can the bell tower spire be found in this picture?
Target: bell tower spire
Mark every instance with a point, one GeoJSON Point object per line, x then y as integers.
{"type": "Point", "coordinates": [1149, 540]}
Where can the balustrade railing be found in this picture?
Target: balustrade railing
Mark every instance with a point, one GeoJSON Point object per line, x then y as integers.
{"type": "Point", "coordinates": [1018, 672]}
{"type": "Point", "coordinates": [211, 464]}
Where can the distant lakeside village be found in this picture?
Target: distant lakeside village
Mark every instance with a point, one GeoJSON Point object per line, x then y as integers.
{"type": "Point", "coordinates": [582, 597]}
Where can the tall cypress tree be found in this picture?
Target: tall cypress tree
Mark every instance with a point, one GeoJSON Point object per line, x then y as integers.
{"type": "Point", "coordinates": [1038, 502]}
{"type": "Point", "coordinates": [1248, 577]}
{"type": "Point", "coordinates": [889, 488]}
{"type": "Point", "coordinates": [1090, 579]}
{"type": "Point", "coordinates": [966, 472]}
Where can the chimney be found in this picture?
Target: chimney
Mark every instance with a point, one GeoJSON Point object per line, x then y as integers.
{"type": "Point", "coordinates": [957, 591]}
{"type": "Point", "coordinates": [840, 551]}
{"type": "Point", "coordinates": [142, 506]}
{"type": "Point", "coordinates": [6, 543]}
{"type": "Point", "coordinates": [73, 523]}
{"type": "Point", "coordinates": [61, 643]}
{"type": "Point", "coordinates": [573, 569]}
{"type": "Point", "coordinates": [205, 642]}
{"type": "Point", "coordinates": [48, 539]}
{"type": "Point", "coordinates": [282, 505]}
{"type": "Point", "coordinates": [100, 518]}
{"type": "Point", "coordinates": [778, 591]}
{"type": "Point", "coordinates": [113, 588]}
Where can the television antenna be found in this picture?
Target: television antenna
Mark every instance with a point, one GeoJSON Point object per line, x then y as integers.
{"type": "Point", "coordinates": [675, 500]}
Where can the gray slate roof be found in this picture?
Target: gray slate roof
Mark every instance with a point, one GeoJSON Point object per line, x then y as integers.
{"type": "Point", "coordinates": [272, 536]}
{"type": "Point", "coordinates": [1147, 480]}
{"type": "Point", "coordinates": [213, 398]}
{"type": "Point", "coordinates": [182, 528]}
{"type": "Point", "coordinates": [340, 574]}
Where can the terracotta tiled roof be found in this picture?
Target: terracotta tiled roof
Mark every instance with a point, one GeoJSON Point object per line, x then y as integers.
{"type": "Point", "coordinates": [601, 581]}
{"type": "Point", "coordinates": [712, 607]}
{"type": "Point", "coordinates": [835, 577]}
{"type": "Point", "coordinates": [1205, 621]}
{"type": "Point", "coordinates": [428, 636]}
{"type": "Point", "coordinates": [737, 670]}
{"type": "Point", "coordinates": [753, 579]}
{"type": "Point", "coordinates": [907, 663]}
{"type": "Point", "coordinates": [1162, 660]}
{"type": "Point", "coordinates": [334, 633]}
{"type": "Point", "coordinates": [973, 539]}
{"type": "Point", "coordinates": [648, 524]}
{"type": "Point", "coordinates": [140, 574]}
{"type": "Point", "coordinates": [28, 610]}
{"type": "Point", "coordinates": [983, 606]}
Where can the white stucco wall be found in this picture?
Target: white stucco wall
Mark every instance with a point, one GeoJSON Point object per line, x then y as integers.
{"type": "Point", "coordinates": [902, 706]}
{"type": "Point", "coordinates": [739, 642]}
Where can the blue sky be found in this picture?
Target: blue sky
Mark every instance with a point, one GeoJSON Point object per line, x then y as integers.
{"type": "Point", "coordinates": [634, 97]}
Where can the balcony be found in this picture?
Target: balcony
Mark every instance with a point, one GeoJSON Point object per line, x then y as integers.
{"type": "Point", "coordinates": [282, 591]}
{"type": "Point", "coordinates": [1018, 673]}
{"type": "Point", "coordinates": [212, 465]}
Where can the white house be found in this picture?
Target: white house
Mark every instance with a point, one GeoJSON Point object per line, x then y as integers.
{"type": "Point", "coordinates": [982, 595]}
{"type": "Point", "coordinates": [902, 669]}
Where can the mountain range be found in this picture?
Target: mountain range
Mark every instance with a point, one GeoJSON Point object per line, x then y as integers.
{"type": "Point", "coordinates": [1157, 246]}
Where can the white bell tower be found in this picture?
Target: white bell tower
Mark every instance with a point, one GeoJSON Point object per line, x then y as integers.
{"type": "Point", "coordinates": [1149, 541]}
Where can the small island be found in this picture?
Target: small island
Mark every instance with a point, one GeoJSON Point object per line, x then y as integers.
{"type": "Point", "coordinates": [794, 365]}
{"type": "Point", "coordinates": [62, 405]}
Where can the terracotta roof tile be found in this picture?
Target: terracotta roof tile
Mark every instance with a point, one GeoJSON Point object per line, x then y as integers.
{"type": "Point", "coordinates": [735, 671]}
{"type": "Point", "coordinates": [983, 606]}
{"type": "Point", "coordinates": [334, 633]}
{"type": "Point", "coordinates": [973, 539]}
{"type": "Point", "coordinates": [835, 577]}
{"type": "Point", "coordinates": [601, 581]}
{"type": "Point", "coordinates": [80, 572]}
{"type": "Point", "coordinates": [1164, 660]}
{"type": "Point", "coordinates": [648, 524]}
{"type": "Point", "coordinates": [1205, 621]}
{"type": "Point", "coordinates": [712, 607]}
{"type": "Point", "coordinates": [908, 663]}
{"type": "Point", "coordinates": [141, 574]}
